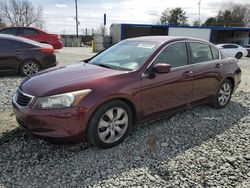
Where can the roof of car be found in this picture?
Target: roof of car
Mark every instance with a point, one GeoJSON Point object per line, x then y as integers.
{"type": "Point", "coordinates": [163, 39]}
{"type": "Point", "coordinates": [12, 37]}
{"type": "Point", "coordinates": [20, 39]}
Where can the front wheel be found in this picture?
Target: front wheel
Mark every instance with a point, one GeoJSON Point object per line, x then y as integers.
{"type": "Point", "coordinates": [223, 95]}
{"type": "Point", "coordinates": [110, 124]}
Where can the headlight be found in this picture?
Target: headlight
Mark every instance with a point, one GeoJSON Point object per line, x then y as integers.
{"type": "Point", "coordinates": [64, 100]}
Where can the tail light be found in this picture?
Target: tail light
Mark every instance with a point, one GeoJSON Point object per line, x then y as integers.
{"type": "Point", "coordinates": [48, 50]}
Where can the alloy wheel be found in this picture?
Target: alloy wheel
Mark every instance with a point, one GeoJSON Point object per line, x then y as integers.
{"type": "Point", "coordinates": [224, 94]}
{"type": "Point", "coordinates": [30, 68]}
{"type": "Point", "coordinates": [113, 125]}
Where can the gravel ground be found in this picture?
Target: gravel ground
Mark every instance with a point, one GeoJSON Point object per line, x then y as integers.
{"type": "Point", "coordinates": [201, 147]}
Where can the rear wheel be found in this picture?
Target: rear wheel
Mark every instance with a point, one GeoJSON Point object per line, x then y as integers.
{"type": "Point", "coordinates": [239, 55]}
{"type": "Point", "coordinates": [223, 95]}
{"type": "Point", "coordinates": [110, 124]}
{"type": "Point", "coordinates": [29, 67]}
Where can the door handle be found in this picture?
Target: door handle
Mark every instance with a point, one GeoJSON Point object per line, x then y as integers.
{"type": "Point", "coordinates": [187, 73]}
{"type": "Point", "coordinates": [18, 53]}
{"type": "Point", "coordinates": [219, 65]}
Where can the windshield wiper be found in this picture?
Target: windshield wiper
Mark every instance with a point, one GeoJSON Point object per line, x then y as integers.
{"type": "Point", "coordinates": [104, 65]}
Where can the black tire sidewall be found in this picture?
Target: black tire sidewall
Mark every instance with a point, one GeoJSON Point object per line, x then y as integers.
{"type": "Point", "coordinates": [216, 102]}
{"type": "Point", "coordinates": [24, 63]}
{"type": "Point", "coordinates": [239, 55]}
{"type": "Point", "coordinates": [92, 130]}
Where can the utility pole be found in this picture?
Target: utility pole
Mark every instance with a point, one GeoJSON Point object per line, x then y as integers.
{"type": "Point", "coordinates": [199, 15]}
{"type": "Point", "coordinates": [76, 18]}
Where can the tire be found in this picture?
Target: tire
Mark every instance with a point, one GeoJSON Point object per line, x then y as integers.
{"type": "Point", "coordinates": [110, 124]}
{"type": "Point", "coordinates": [29, 67]}
{"type": "Point", "coordinates": [239, 55]}
{"type": "Point", "coordinates": [223, 95]}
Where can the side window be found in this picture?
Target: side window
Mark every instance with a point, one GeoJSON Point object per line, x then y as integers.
{"type": "Point", "coordinates": [215, 53]}
{"type": "Point", "coordinates": [200, 52]}
{"type": "Point", "coordinates": [175, 55]}
{"type": "Point", "coordinates": [6, 45]}
{"type": "Point", "coordinates": [26, 31]}
{"type": "Point", "coordinates": [9, 31]}
{"type": "Point", "coordinates": [230, 46]}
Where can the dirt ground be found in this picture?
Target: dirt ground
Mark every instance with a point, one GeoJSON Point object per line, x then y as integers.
{"type": "Point", "coordinates": [67, 55]}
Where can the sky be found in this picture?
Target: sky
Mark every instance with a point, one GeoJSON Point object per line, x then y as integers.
{"type": "Point", "coordinates": [59, 15]}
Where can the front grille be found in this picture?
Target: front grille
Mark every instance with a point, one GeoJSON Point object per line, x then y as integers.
{"type": "Point", "coordinates": [23, 99]}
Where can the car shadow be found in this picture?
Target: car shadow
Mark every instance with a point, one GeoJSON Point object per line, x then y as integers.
{"type": "Point", "coordinates": [28, 161]}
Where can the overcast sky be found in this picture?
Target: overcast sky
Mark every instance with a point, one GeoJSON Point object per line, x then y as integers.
{"type": "Point", "coordinates": [59, 14]}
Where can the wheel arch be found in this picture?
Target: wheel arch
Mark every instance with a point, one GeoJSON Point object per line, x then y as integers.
{"type": "Point", "coordinates": [29, 59]}
{"type": "Point", "coordinates": [132, 107]}
{"type": "Point", "coordinates": [127, 101]}
{"type": "Point", "coordinates": [231, 79]}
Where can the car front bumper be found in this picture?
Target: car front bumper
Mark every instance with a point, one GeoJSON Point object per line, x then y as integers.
{"type": "Point", "coordinates": [62, 126]}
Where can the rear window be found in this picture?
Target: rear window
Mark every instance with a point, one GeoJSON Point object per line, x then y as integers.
{"type": "Point", "coordinates": [200, 52]}
{"type": "Point", "coordinates": [8, 44]}
{"type": "Point", "coordinates": [215, 53]}
{"type": "Point", "coordinates": [227, 46]}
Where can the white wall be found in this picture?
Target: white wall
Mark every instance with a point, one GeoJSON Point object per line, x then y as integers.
{"type": "Point", "coordinates": [190, 32]}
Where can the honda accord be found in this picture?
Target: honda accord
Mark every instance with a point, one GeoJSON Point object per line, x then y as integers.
{"type": "Point", "coordinates": [101, 99]}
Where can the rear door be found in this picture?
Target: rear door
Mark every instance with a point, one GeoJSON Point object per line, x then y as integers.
{"type": "Point", "coordinates": [10, 55]}
{"type": "Point", "coordinates": [208, 69]}
{"type": "Point", "coordinates": [168, 90]}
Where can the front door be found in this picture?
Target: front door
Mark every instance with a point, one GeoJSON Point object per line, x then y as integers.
{"type": "Point", "coordinates": [164, 91]}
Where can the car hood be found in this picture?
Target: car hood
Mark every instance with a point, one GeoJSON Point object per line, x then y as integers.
{"type": "Point", "coordinates": [66, 78]}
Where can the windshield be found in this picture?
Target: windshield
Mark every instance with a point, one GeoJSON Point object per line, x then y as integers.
{"type": "Point", "coordinates": [126, 55]}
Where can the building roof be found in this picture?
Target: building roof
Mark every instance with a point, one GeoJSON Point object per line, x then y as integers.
{"type": "Point", "coordinates": [197, 27]}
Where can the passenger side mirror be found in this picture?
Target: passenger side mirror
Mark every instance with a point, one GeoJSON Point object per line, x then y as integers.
{"type": "Point", "coordinates": [161, 68]}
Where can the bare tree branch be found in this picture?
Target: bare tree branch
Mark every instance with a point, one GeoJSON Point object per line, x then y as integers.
{"type": "Point", "coordinates": [21, 12]}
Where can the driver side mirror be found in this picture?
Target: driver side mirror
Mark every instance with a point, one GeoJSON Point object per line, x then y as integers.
{"type": "Point", "coordinates": [161, 68]}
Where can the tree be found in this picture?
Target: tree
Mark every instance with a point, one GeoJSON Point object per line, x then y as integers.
{"type": "Point", "coordinates": [196, 23]}
{"type": "Point", "coordinates": [21, 12]}
{"type": "Point", "coordinates": [210, 22]}
{"type": "Point", "coordinates": [2, 24]}
{"type": "Point", "coordinates": [174, 16]}
{"type": "Point", "coordinates": [164, 17]}
{"type": "Point", "coordinates": [235, 15]}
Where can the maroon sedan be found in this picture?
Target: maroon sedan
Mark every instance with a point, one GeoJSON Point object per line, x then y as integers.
{"type": "Point", "coordinates": [102, 98]}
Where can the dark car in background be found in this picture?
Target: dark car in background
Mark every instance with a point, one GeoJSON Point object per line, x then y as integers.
{"type": "Point", "coordinates": [20, 55]}
{"type": "Point", "coordinates": [34, 34]}
{"type": "Point", "coordinates": [102, 98]}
